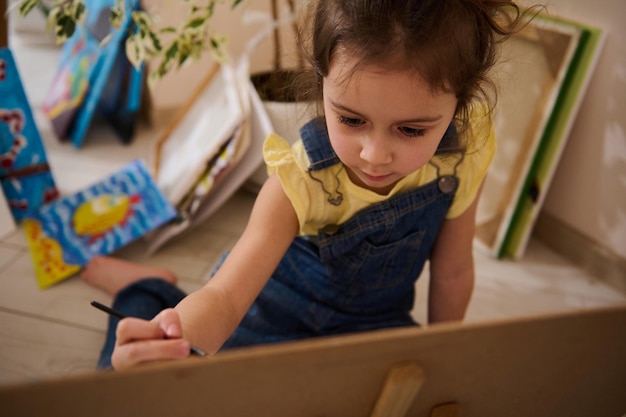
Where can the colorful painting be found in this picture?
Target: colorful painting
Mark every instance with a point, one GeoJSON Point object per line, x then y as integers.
{"type": "Point", "coordinates": [70, 83]}
{"type": "Point", "coordinates": [24, 172]}
{"type": "Point", "coordinates": [65, 234]}
{"type": "Point", "coordinates": [95, 75]}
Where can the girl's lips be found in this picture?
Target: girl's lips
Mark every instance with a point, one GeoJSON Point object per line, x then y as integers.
{"type": "Point", "coordinates": [375, 178]}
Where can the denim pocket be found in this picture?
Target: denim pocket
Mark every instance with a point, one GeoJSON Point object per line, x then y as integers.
{"type": "Point", "coordinates": [370, 265]}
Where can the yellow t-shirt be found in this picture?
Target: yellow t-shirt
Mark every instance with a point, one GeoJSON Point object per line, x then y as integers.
{"type": "Point", "coordinates": [310, 201]}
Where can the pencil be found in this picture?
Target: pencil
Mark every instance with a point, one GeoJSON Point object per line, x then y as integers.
{"type": "Point", "coordinates": [194, 350]}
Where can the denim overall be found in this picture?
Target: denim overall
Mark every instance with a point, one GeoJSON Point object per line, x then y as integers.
{"type": "Point", "coordinates": [352, 277]}
{"type": "Point", "coordinates": [356, 276]}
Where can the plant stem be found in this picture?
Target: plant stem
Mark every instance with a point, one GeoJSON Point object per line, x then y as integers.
{"type": "Point", "coordinates": [277, 63]}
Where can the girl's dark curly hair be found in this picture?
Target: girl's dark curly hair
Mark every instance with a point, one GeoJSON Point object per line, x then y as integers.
{"type": "Point", "coordinates": [452, 44]}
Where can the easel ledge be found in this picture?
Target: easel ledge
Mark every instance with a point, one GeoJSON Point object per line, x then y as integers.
{"type": "Point", "coordinates": [569, 364]}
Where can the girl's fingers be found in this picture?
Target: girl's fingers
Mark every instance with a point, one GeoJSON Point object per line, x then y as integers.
{"type": "Point", "coordinates": [169, 322]}
{"type": "Point", "coordinates": [165, 325]}
{"type": "Point", "coordinates": [140, 341]}
{"type": "Point", "coordinates": [138, 352]}
{"type": "Point", "coordinates": [133, 329]}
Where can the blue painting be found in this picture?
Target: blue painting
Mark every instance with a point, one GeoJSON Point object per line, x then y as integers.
{"type": "Point", "coordinates": [27, 182]}
{"type": "Point", "coordinates": [65, 234]}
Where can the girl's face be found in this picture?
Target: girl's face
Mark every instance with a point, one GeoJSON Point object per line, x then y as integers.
{"type": "Point", "coordinates": [383, 125]}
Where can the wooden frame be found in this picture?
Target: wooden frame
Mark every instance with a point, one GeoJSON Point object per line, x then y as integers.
{"type": "Point", "coordinates": [570, 364]}
{"type": "Point", "coordinates": [542, 78]}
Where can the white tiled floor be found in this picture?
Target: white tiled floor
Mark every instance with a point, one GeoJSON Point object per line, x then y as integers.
{"type": "Point", "coordinates": [55, 332]}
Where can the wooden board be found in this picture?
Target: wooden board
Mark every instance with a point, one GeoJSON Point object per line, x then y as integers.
{"type": "Point", "coordinates": [561, 365]}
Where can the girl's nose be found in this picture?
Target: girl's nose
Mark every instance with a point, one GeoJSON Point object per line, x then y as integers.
{"type": "Point", "coordinates": [375, 151]}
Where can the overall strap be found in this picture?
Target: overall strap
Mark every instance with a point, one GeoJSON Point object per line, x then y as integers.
{"type": "Point", "coordinates": [315, 139]}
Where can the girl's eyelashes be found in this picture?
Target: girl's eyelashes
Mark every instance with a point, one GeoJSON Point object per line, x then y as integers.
{"type": "Point", "coordinates": [350, 121]}
{"type": "Point", "coordinates": [411, 131]}
{"type": "Point", "coordinates": [404, 130]}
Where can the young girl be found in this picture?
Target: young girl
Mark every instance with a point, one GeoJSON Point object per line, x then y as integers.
{"type": "Point", "coordinates": [387, 179]}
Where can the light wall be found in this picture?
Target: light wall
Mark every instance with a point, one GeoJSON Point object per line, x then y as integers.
{"type": "Point", "coordinates": [588, 192]}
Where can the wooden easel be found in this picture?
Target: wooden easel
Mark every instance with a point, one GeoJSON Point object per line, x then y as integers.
{"type": "Point", "coordinates": [560, 365]}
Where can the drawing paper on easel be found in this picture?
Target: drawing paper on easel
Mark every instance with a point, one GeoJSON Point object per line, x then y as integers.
{"type": "Point", "coordinates": [64, 235]}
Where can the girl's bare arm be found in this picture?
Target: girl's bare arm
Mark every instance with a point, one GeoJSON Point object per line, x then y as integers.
{"type": "Point", "coordinates": [452, 268]}
{"type": "Point", "coordinates": [212, 313]}
{"type": "Point", "coordinates": [207, 317]}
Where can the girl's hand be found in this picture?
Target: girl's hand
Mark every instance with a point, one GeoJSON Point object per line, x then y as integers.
{"type": "Point", "coordinates": [139, 341]}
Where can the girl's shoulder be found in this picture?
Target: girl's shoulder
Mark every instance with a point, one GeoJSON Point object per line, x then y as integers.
{"type": "Point", "coordinates": [290, 163]}
{"type": "Point", "coordinates": [479, 153]}
{"type": "Point", "coordinates": [278, 152]}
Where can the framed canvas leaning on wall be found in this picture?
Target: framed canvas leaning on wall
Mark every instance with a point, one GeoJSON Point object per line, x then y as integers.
{"type": "Point", "coordinates": [542, 77]}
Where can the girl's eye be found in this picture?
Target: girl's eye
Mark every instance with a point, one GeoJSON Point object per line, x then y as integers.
{"type": "Point", "coordinates": [350, 121]}
{"type": "Point", "coordinates": [411, 131]}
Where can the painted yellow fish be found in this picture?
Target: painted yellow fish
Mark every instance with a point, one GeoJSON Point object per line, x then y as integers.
{"type": "Point", "coordinates": [47, 253]}
{"type": "Point", "coordinates": [97, 216]}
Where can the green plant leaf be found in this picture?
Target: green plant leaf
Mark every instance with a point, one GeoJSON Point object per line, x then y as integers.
{"type": "Point", "coordinates": [195, 23]}
{"type": "Point", "coordinates": [156, 42]}
{"type": "Point", "coordinates": [26, 6]}
{"type": "Point", "coordinates": [79, 11]}
{"type": "Point", "coordinates": [134, 52]}
{"type": "Point", "coordinates": [141, 18]}
{"type": "Point", "coordinates": [116, 17]}
{"type": "Point", "coordinates": [65, 27]}
{"type": "Point", "coordinates": [171, 51]}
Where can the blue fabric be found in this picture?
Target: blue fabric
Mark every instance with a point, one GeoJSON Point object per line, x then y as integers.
{"type": "Point", "coordinates": [353, 277]}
